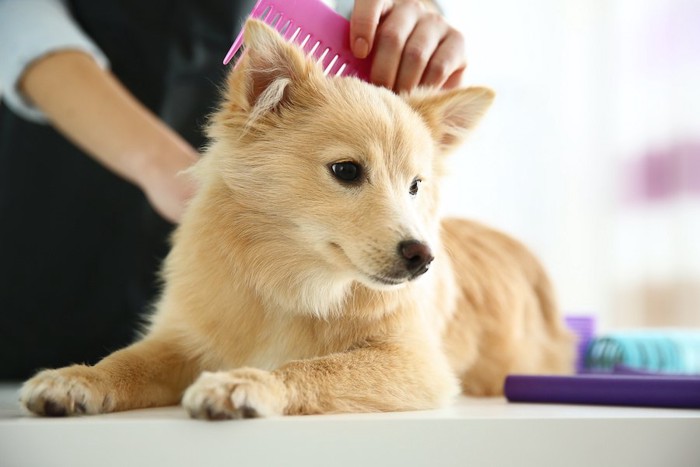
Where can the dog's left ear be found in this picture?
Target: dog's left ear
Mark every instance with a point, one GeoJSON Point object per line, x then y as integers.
{"type": "Point", "coordinates": [450, 115]}
{"type": "Point", "coordinates": [269, 66]}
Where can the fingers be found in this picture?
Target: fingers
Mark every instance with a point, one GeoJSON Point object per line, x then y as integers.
{"type": "Point", "coordinates": [447, 63]}
{"type": "Point", "coordinates": [455, 79]}
{"type": "Point", "coordinates": [412, 44]}
{"type": "Point", "coordinates": [420, 47]}
{"type": "Point", "coordinates": [391, 40]}
{"type": "Point", "coordinates": [363, 24]}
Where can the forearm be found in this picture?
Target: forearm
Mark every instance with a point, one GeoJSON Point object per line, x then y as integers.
{"type": "Point", "coordinates": [92, 109]}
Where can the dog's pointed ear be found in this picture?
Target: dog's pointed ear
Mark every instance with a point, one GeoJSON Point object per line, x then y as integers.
{"type": "Point", "coordinates": [268, 66]}
{"type": "Point", "coordinates": [450, 115]}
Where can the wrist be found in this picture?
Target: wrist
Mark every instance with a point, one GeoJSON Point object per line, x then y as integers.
{"type": "Point", "coordinates": [159, 159]}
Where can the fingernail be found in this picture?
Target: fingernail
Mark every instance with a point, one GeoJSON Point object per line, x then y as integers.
{"type": "Point", "coordinates": [361, 47]}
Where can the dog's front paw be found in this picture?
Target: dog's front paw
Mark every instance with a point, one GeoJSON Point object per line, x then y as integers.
{"type": "Point", "coordinates": [242, 393]}
{"type": "Point", "coordinates": [74, 390]}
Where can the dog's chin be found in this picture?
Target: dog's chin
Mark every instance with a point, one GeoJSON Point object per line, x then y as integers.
{"type": "Point", "coordinates": [380, 282]}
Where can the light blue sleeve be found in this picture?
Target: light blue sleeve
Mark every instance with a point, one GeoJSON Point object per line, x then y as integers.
{"type": "Point", "coordinates": [344, 7]}
{"type": "Point", "coordinates": [30, 29]}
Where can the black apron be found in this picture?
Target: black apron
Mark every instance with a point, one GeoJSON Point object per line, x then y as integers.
{"type": "Point", "coordinates": [80, 247]}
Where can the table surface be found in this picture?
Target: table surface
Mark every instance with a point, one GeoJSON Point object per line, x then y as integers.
{"type": "Point", "coordinates": [490, 432]}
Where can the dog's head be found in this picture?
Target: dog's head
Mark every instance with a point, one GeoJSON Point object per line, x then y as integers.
{"type": "Point", "coordinates": [344, 173]}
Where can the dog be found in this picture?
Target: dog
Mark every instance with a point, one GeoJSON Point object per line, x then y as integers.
{"type": "Point", "coordinates": [311, 272]}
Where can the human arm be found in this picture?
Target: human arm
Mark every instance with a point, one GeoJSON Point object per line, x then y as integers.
{"type": "Point", "coordinates": [412, 42]}
{"type": "Point", "coordinates": [51, 71]}
{"type": "Point", "coordinates": [89, 106]}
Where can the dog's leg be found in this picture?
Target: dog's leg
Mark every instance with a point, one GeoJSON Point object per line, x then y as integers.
{"type": "Point", "coordinates": [148, 373]}
{"type": "Point", "coordinates": [383, 377]}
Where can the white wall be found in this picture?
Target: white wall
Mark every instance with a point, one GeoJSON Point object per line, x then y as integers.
{"type": "Point", "coordinates": [576, 83]}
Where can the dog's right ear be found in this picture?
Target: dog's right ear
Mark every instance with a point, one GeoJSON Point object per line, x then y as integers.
{"type": "Point", "coordinates": [452, 114]}
{"type": "Point", "coordinates": [269, 66]}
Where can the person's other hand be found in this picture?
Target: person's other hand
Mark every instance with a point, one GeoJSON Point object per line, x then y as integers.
{"type": "Point", "coordinates": [412, 43]}
{"type": "Point", "coordinates": [167, 188]}
{"type": "Point", "coordinates": [127, 139]}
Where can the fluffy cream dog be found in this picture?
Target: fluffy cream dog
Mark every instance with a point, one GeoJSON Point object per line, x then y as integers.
{"type": "Point", "coordinates": [311, 273]}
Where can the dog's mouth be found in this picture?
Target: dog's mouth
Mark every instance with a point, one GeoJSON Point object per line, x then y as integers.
{"type": "Point", "coordinates": [388, 280]}
{"type": "Point", "coordinates": [379, 279]}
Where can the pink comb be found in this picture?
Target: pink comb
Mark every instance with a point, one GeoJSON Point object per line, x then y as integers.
{"type": "Point", "coordinates": [320, 31]}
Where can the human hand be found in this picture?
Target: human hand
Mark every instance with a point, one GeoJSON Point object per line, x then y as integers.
{"type": "Point", "coordinates": [165, 185]}
{"type": "Point", "coordinates": [412, 43]}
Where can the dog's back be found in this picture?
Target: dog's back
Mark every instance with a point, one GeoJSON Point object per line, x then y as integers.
{"type": "Point", "coordinates": [506, 319]}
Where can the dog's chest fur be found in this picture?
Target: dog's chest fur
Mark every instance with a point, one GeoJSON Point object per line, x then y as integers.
{"type": "Point", "coordinates": [273, 346]}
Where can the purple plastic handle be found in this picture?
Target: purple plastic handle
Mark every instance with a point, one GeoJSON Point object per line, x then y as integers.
{"type": "Point", "coordinates": [584, 328]}
{"type": "Point", "coordinates": [631, 390]}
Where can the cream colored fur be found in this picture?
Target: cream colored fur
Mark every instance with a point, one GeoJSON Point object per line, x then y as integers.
{"type": "Point", "coordinates": [272, 303]}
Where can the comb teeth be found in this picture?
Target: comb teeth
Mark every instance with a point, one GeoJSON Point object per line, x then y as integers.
{"type": "Point", "coordinates": [317, 29]}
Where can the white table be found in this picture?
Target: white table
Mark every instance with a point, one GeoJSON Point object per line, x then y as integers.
{"type": "Point", "coordinates": [473, 432]}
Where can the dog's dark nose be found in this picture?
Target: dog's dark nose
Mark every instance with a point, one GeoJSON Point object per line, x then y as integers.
{"type": "Point", "coordinates": [417, 256]}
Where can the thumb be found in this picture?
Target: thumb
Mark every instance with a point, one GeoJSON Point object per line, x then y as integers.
{"type": "Point", "coordinates": [363, 24]}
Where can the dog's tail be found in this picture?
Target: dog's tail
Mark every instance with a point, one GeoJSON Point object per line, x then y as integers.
{"type": "Point", "coordinates": [545, 295]}
{"type": "Point", "coordinates": [562, 356]}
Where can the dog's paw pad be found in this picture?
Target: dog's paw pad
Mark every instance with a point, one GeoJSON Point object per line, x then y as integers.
{"type": "Point", "coordinates": [54, 409]}
{"type": "Point", "coordinates": [63, 392]}
{"type": "Point", "coordinates": [249, 412]}
{"type": "Point", "coordinates": [244, 393]}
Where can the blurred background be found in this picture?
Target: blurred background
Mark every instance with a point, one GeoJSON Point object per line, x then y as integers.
{"type": "Point", "coordinates": [591, 152]}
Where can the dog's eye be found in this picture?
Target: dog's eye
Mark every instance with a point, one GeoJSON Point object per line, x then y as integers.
{"type": "Point", "coordinates": [346, 171]}
{"type": "Point", "coordinates": [413, 190]}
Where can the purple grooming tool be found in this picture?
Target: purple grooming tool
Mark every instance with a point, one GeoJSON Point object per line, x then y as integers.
{"type": "Point", "coordinates": [319, 30]}
{"type": "Point", "coordinates": [630, 390]}
{"type": "Point", "coordinates": [583, 326]}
